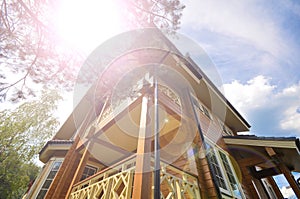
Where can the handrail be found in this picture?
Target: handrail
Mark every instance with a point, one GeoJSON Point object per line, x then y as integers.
{"type": "Point", "coordinates": [175, 181]}
{"type": "Point", "coordinates": [106, 169]}
{"type": "Point", "coordinates": [127, 160]}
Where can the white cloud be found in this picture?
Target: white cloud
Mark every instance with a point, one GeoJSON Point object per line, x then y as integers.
{"type": "Point", "coordinates": [287, 192]}
{"type": "Point", "coordinates": [254, 94]}
{"type": "Point", "coordinates": [258, 94]}
{"type": "Point", "coordinates": [248, 20]}
{"type": "Point", "coordinates": [291, 97]}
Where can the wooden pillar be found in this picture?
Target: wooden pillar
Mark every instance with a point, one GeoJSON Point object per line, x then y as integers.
{"type": "Point", "coordinates": [260, 188]}
{"type": "Point", "coordinates": [61, 183]}
{"type": "Point", "coordinates": [247, 183]}
{"type": "Point", "coordinates": [142, 177]}
{"type": "Point", "coordinates": [290, 178]}
{"type": "Point", "coordinates": [284, 170]}
{"type": "Point", "coordinates": [275, 187]}
{"type": "Point", "coordinates": [80, 167]}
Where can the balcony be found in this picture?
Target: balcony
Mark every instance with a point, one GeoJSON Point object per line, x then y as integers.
{"type": "Point", "coordinates": [117, 182]}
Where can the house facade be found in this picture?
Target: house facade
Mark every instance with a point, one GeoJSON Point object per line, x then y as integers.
{"type": "Point", "coordinates": [155, 126]}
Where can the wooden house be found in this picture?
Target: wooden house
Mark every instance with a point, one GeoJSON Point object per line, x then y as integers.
{"type": "Point", "coordinates": [155, 126]}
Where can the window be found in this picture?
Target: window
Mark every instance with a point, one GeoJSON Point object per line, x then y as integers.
{"type": "Point", "coordinates": [223, 171]}
{"type": "Point", "coordinates": [206, 112]}
{"type": "Point", "coordinates": [49, 179]}
{"type": "Point", "coordinates": [196, 103]}
{"type": "Point", "coordinates": [201, 107]}
{"type": "Point", "coordinates": [225, 129]}
{"type": "Point", "coordinates": [88, 171]}
{"type": "Point", "coordinates": [216, 167]}
{"type": "Point", "coordinates": [233, 183]}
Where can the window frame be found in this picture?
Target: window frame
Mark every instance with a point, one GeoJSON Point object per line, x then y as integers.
{"type": "Point", "coordinates": [203, 109]}
{"type": "Point", "coordinates": [41, 187]}
{"type": "Point", "coordinates": [228, 191]}
{"type": "Point", "coordinates": [89, 167]}
{"type": "Point", "coordinates": [225, 129]}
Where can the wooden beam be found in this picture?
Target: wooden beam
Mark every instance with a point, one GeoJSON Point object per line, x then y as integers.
{"type": "Point", "coordinates": [99, 132]}
{"type": "Point", "coordinates": [111, 146]}
{"type": "Point", "coordinates": [80, 168]}
{"type": "Point", "coordinates": [142, 177]}
{"type": "Point", "coordinates": [251, 161]}
{"type": "Point", "coordinates": [270, 151]}
{"type": "Point", "coordinates": [116, 118]}
{"type": "Point", "coordinates": [60, 184]}
{"type": "Point", "coordinates": [264, 173]}
{"type": "Point", "coordinates": [290, 178]}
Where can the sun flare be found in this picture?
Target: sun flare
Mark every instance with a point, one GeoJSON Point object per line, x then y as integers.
{"type": "Point", "coordinates": [86, 24]}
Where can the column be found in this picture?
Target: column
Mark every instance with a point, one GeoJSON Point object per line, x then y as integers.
{"type": "Point", "coordinates": [142, 177]}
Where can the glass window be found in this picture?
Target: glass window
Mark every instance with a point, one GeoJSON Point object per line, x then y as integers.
{"type": "Point", "coordinates": [206, 112]}
{"type": "Point", "coordinates": [223, 171]}
{"type": "Point", "coordinates": [216, 167]}
{"type": "Point", "coordinates": [225, 129]}
{"type": "Point", "coordinates": [88, 171]}
{"type": "Point", "coordinates": [49, 179]}
{"type": "Point", "coordinates": [233, 183]}
{"type": "Point", "coordinates": [201, 107]}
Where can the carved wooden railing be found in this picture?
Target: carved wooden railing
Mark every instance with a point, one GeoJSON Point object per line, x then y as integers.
{"type": "Point", "coordinates": [175, 183]}
{"type": "Point", "coordinates": [170, 94]}
{"type": "Point", "coordinates": [117, 182]}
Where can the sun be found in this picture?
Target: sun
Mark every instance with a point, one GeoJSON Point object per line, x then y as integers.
{"type": "Point", "coordinates": [86, 24]}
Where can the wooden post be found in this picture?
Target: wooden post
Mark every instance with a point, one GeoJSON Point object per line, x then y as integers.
{"type": "Point", "coordinates": [290, 178]}
{"type": "Point", "coordinates": [80, 167]}
{"type": "Point", "coordinates": [62, 180]}
{"type": "Point", "coordinates": [275, 187]}
{"type": "Point", "coordinates": [142, 177]}
{"type": "Point", "coordinates": [286, 172]}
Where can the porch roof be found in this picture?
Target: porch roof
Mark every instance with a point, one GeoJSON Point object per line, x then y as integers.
{"type": "Point", "coordinates": [287, 148]}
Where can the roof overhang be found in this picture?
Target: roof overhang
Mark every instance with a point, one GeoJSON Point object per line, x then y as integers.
{"type": "Point", "coordinates": [53, 148]}
{"type": "Point", "coordinates": [287, 148]}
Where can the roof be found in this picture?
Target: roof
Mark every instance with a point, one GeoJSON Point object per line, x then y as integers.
{"type": "Point", "coordinates": [288, 148]}
{"type": "Point", "coordinates": [210, 96]}
{"type": "Point", "coordinates": [254, 140]}
{"type": "Point", "coordinates": [197, 71]}
{"type": "Point", "coordinates": [52, 147]}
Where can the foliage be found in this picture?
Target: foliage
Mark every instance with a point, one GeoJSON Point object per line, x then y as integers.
{"type": "Point", "coordinates": [30, 47]}
{"type": "Point", "coordinates": [164, 14]}
{"type": "Point", "coordinates": [23, 132]}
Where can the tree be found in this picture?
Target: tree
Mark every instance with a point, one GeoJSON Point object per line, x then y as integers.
{"type": "Point", "coordinates": [23, 132]}
{"type": "Point", "coordinates": [29, 48]}
{"type": "Point", "coordinates": [29, 44]}
{"type": "Point", "coordinates": [164, 14]}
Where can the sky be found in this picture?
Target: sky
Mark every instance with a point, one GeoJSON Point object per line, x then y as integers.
{"type": "Point", "coordinates": [254, 45]}
{"type": "Point", "coordinates": [255, 48]}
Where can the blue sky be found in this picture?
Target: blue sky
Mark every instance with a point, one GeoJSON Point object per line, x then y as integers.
{"type": "Point", "coordinates": [254, 45]}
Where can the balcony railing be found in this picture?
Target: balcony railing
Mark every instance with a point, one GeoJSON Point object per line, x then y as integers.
{"type": "Point", "coordinates": [117, 182]}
